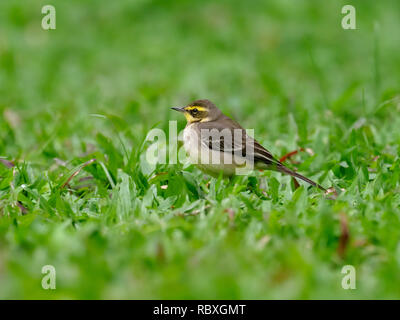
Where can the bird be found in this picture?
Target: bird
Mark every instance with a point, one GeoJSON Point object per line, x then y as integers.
{"type": "Point", "coordinates": [217, 144]}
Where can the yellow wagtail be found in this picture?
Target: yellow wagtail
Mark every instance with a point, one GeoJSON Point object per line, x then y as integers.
{"type": "Point", "coordinates": [216, 143]}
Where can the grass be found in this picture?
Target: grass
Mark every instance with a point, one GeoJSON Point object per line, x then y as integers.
{"type": "Point", "coordinates": [94, 87]}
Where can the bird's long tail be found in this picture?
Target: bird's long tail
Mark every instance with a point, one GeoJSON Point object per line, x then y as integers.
{"type": "Point", "coordinates": [286, 170]}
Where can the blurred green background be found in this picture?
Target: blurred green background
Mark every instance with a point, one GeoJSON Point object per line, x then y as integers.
{"type": "Point", "coordinates": [110, 72]}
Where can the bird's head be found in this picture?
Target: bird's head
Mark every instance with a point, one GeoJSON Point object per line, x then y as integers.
{"type": "Point", "coordinates": [200, 111]}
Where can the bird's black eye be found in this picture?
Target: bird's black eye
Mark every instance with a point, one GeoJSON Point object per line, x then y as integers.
{"type": "Point", "coordinates": [194, 111]}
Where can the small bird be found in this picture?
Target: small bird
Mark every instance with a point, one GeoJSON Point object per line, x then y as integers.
{"type": "Point", "coordinates": [216, 143]}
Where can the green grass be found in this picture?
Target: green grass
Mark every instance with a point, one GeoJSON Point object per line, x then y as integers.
{"type": "Point", "coordinates": [286, 69]}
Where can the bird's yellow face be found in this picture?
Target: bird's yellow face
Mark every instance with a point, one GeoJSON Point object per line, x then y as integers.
{"type": "Point", "coordinates": [194, 113]}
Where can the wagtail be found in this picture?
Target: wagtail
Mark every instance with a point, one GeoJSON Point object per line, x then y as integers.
{"type": "Point", "coordinates": [216, 143]}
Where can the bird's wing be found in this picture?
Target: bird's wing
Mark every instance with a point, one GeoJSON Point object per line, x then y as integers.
{"type": "Point", "coordinates": [263, 155]}
{"type": "Point", "coordinates": [219, 136]}
{"type": "Point", "coordinates": [229, 136]}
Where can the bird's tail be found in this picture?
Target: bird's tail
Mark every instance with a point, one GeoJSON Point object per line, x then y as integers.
{"type": "Point", "coordinates": [286, 170]}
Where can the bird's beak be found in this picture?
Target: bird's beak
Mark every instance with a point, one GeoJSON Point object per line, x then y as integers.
{"type": "Point", "coordinates": [178, 109]}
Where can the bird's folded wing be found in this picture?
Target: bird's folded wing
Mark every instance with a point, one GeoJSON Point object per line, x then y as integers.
{"type": "Point", "coordinates": [228, 136]}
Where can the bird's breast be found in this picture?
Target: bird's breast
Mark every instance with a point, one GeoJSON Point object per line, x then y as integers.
{"type": "Point", "coordinates": [191, 141]}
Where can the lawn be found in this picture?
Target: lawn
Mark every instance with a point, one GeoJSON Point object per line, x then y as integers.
{"type": "Point", "coordinates": [77, 193]}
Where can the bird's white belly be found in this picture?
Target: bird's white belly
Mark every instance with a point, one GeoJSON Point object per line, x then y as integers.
{"type": "Point", "coordinates": [208, 160]}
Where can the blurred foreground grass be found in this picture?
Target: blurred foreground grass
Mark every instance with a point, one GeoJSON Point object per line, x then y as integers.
{"type": "Point", "coordinates": [94, 87]}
